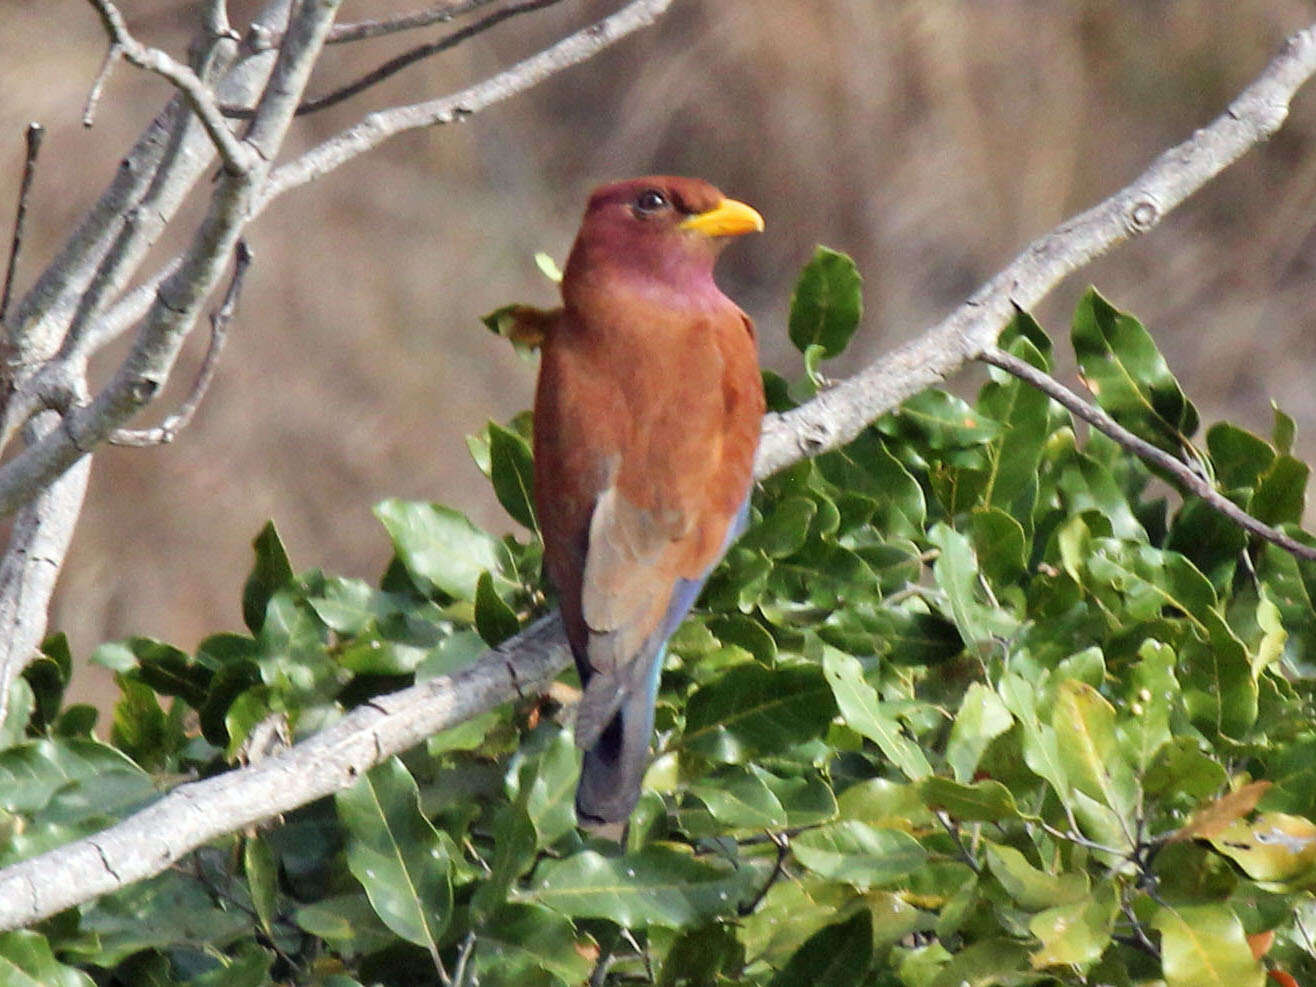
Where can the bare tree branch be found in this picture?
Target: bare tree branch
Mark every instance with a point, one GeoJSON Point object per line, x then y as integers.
{"type": "Point", "coordinates": [236, 156]}
{"type": "Point", "coordinates": [37, 546]}
{"type": "Point", "coordinates": [1187, 477]}
{"type": "Point", "coordinates": [168, 430]}
{"type": "Point", "coordinates": [837, 415]}
{"type": "Point", "coordinates": [193, 814]}
{"type": "Point", "coordinates": [400, 62]}
{"type": "Point", "coordinates": [439, 13]}
{"type": "Point", "coordinates": [378, 127]}
{"type": "Point", "coordinates": [112, 54]}
{"type": "Point", "coordinates": [32, 136]}
{"type": "Point", "coordinates": [146, 843]}
{"type": "Point", "coordinates": [85, 427]}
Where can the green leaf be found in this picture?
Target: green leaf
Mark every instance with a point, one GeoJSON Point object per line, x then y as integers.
{"type": "Point", "coordinates": [982, 801]}
{"type": "Point", "coordinates": [494, 619]}
{"type": "Point", "coordinates": [548, 267]}
{"type": "Point", "coordinates": [1032, 888]}
{"type": "Point", "coordinates": [249, 968]}
{"type": "Point", "coordinates": [396, 854]}
{"type": "Point", "coordinates": [262, 872]}
{"type": "Point", "coordinates": [271, 572]}
{"type": "Point", "coordinates": [838, 955]}
{"type": "Point", "coordinates": [1084, 725]}
{"type": "Point", "coordinates": [1074, 935]}
{"type": "Point", "coordinates": [861, 709]}
{"type": "Point", "coordinates": [1129, 377]}
{"type": "Point", "coordinates": [1000, 545]}
{"type": "Point", "coordinates": [859, 854]}
{"type": "Point", "coordinates": [452, 654]}
{"type": "Point", "coordinates": [943, 421]}
{"type": "Point", "coordinates": [164, 668]}
{"type": "Point", "coordinates": [512, 472]}
{"type": "Point", "coordinates": [956, 574]}
{"type": "Point", "coordinates": [751, 709]}
{"type": "Point", "coordinates": [520, 939]}
{"type": "Point", "coordinates": [1238, 457]}
{"type": "Point", "coordinates": [545, 785]}
{"type": "Point", "coordinates": [1204, 946]}
{"type": "Point", "coordinates": [1281, 494]}
{"type": "Point", "coordinates": [981, 718]}
{"type": "Point", "coordinates": [31, 773]}
{"type": "Point", "coordinates": [827, 303]}
{"type": "Point", "coordinates": [739, 798]}
{"type": "Point", "coordinates": [657, 885]}
{"type": "Point", "coordinates": [441, 547]}
{"type": "Point", "coordinates": [26, 961]}
{"type": "Point", "coordinates": [784, 528]}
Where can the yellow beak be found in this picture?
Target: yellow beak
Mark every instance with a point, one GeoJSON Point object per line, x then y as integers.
{"type": "Point", "coordinates": [727, 218]}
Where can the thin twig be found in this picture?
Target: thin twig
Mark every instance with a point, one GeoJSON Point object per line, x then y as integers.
{"type": "Point", "coordinates": [168, 430]}
{"type": "Point", "coordinates": [783, 844]}
{"type": "Point", "coordinates": [378, 127]}
{"type": "Point", "coordinates": [1101, 421]}
{"type": "Point", "coordinates": [112, 54]}
{"type": "Point", "coordinates": [33, 137]}
{"type": "Point", "coordinates": [953, 831]}
{"type": "Point", "coordinates": [407, 58]}
{"type": "Point", "coordinates": [459, 973]}
{"type": "Point", "coordinates": [439, 13]}
{"type": "Point", "coordinates": [237, 156]}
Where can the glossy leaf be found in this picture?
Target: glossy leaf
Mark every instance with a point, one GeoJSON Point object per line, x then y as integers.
{"type": "Point", "coordinates": [658, 885]}
{"type": "Point", "coordinates": [826, 305]}
{"type": "Point", "coordinates": [858, 854]}
{"type": "Point", "coordinates": [440, 546]}
{"type": "Point", "coordinates": [1128, 376]}
{"type": "Point", "coordinates": [861, 709]}
{"type": "Point", "coordinates": [751, 709]}
{"type": "Point", "coordinates": [395, 852]}
{"type": "Point", "coordinates": [1204, 946]}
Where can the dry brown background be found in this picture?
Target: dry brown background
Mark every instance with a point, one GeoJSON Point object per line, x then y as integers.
{"type": "Point", "coordinates": [931, 139]}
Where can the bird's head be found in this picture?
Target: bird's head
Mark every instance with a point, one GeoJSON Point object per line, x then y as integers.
{"type": "Point", "coordinates": [659, 232]}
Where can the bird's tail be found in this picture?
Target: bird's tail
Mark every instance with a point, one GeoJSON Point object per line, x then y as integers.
{"type": "Point", "coordinates": [616, 759]}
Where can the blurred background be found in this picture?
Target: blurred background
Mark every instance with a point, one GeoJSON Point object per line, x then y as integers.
{"type": "Point", "coordinates": [930, 139]}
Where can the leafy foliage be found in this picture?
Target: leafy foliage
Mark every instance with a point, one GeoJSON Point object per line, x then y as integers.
{"type": "Point", "coordinates": [969, 703]}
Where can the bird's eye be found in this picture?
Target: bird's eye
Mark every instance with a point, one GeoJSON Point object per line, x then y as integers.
{"type": "Point", "coordinates": [650, 201]}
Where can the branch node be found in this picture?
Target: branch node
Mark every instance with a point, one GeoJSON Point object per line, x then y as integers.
{"type": "Point", "coordinates": [1144, 214]}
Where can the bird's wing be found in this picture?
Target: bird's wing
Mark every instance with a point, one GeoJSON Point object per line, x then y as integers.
{"type": "Point", "coordinates": [630, 572]}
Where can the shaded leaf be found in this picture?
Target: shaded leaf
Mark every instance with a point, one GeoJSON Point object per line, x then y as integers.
{"type": "Point", "coordinates": [657, 885]}
{"type": "Point", "coordinates": [838, 955]}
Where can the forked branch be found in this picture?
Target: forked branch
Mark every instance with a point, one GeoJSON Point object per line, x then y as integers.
{"type": "Point", "coordinates": [1183, 474]}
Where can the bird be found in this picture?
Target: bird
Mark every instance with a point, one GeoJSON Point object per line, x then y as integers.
{"type": "Point", "coordinates": [647, 414]}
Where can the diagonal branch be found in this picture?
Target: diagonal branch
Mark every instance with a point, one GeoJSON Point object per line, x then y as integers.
{"type": "Point", "coordinates": [420, 52]}
{"type": "Point", "coordinates": [146, 843]}
{"type": "Point", "coordinates": [439, 13]}
{"type": "Point", "coordinates": [32, 136]}
{"type": "Point", "coordinates": [380, 126]}
{"type": "Point", "coordinates": [838, 415]}
{"type": "Point", "coordinates": [236, 156]}
{"type": "Point", "coordinates": [1186, 477]}
{"type": "Point", "coordinates": [168, 430]}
